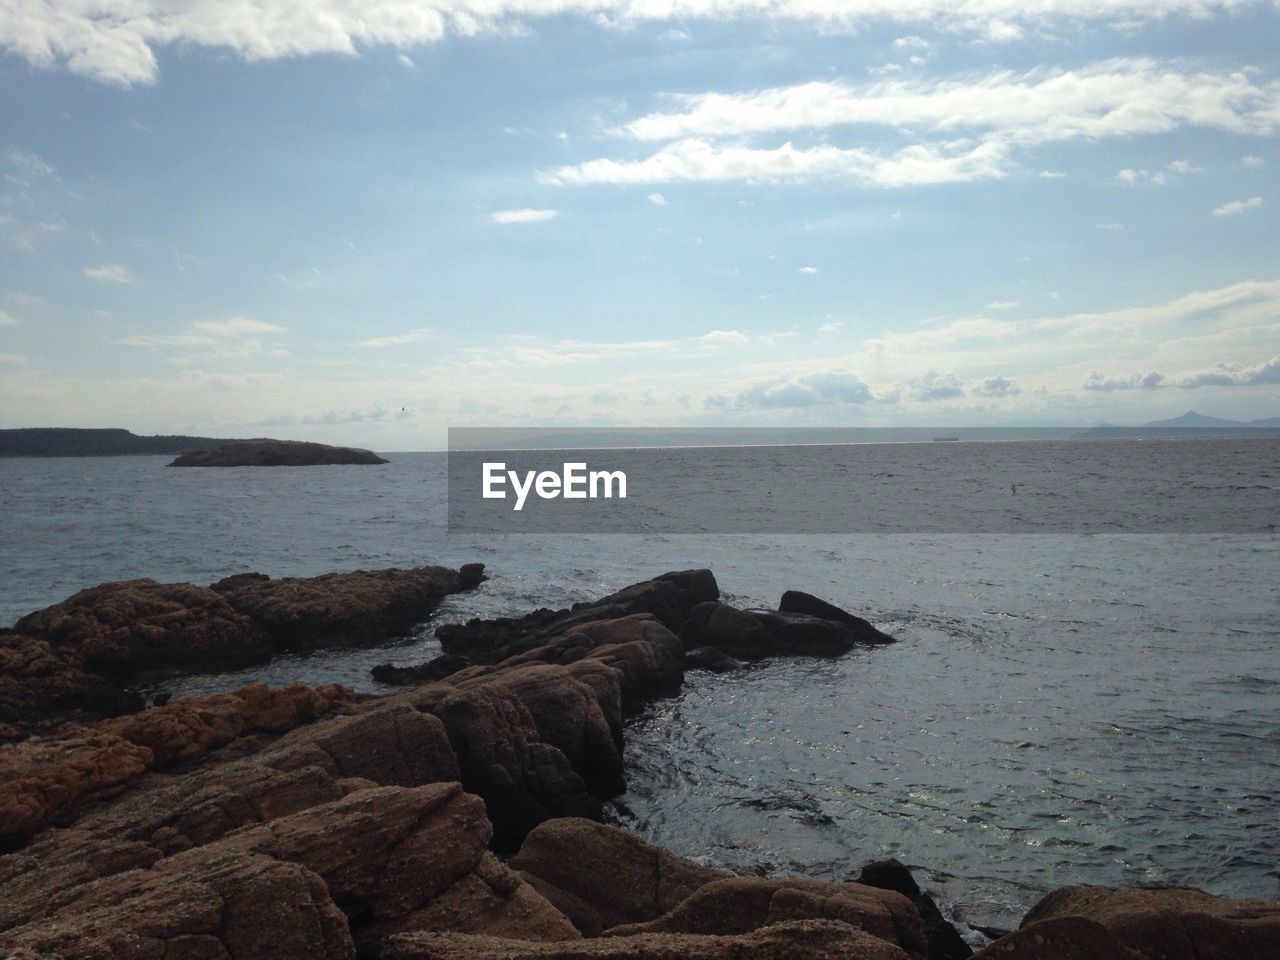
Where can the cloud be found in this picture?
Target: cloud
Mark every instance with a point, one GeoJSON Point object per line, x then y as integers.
{"type": "Point", "coordinates": [911, 43]}
{"type": "Point", "coordinates": [1003, 304]}
{"type": "Point", "coordinates": [114, 41]}
{"type": "Point", "coordinates": [699, 160]}
{"type": "Point", "coordinates": [27, 164]}
{"type": "Point", "coordinates": [8, 321]}
{"type": "Point", "coordinates": [523, 215]}
{"type": "Point", "coordinates": [235, 326]}
{"type": "Point", "coordinates": [1109, 226]}
{"type": "Point", "coordinates": [834, 327]}
{"type": "Point", "coordinates": [376, 413]}
{"type": "Point", "coordinates": [1110, 98]}
{"type": "Point", "coordinates": [397, 339]}
{"type": "Point", "coordinates": [657, 199]}
{"type": "Point", "coordinates": [815, 389]}
{"type": "Point", "coordinates": [808, 270]}
{"type": "Point", "coordinates": [1253, 161]}
{"type": "Point", "coordinates": [1235, 375]}
{"type": "Point", "coordinates": [998, 387]}
{"type": "Point", "coordinates": [13, 359]}
{"type": "Point", "coordinates": [725, 338]}
{"type": "Point", "coordinates": [936, 386]}
{"type": "Point", "coordinates": [110, 273]}
{"type": "Point", "coordinates": [1237, 206]}
{"type": "Point", "coordinates": [1096, 381]}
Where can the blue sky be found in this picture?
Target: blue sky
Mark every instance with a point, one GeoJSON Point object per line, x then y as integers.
{"type": "Point", "coordinates": [365, 222]}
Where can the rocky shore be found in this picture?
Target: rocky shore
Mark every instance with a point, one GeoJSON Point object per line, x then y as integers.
{"type": "Point", "coordinates": [458, 818]}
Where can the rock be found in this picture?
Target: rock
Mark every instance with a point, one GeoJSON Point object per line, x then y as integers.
{"type": "Point", "coordinates": [124, 629]}
{"type": "Point", "coordinates": [742, 904]}
{"type": "Point", "coordinates": [360, 607]}
{"type": "Point", "coordinates": [805, 940]}
{"type": "Point", "coordinates": [471, 575]}
{"type": "Point", "coordinates": [710, 658]}
{"type": "Point", "coordinates": [729, 630]}
{"type": "Point", "coordinates": [274, 453]}
{"type": "Point", "coordinates": [1170, 923]}
{"type": "Point", "coordinates": [1061, 938]}
{"type": "Point", "coordinates": [943, 940]}
{"type": "Point", "coordinates": [797, 601]}
{"type": "Point", "coordinates": [797, 634]}
{"type": "Point", "coordinates": [432, 670]}
{"type": "Point", "coordinates": [376, 861]}
{"type": "Point", "coordinates": [668, 597]}
{"type": "Point", "coordinates": [605, 876]}
{"type": "Point", "coordinates": [43, 780]}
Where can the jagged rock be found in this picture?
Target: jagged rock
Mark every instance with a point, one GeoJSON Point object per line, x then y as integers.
{"type": "Point", "coordinates": [275, 453]}
{"type": "Point", "coordinates": [124, 628]}
{"type": "Point", "coordinates": [605, 875]}
{"type": "Point", "coordinates": [471, 575]}
{"type": "Point", "coordinates": [358, 607]}
{"type": "Point", "coordinates": [668, 597]}
{"type": "Point", "coordinates": [710, 658]}
{"type": "Point", "coordinates": [742, 904]}
{"type": "Point", "coordinates": [41, 780]}
{"type": "Point", "coordinates": [432, 670]}
{"type": "Point", "coordinates": [797, 601]}
{"type": "Point", "coordinates": [1170, 923]}
{"type": "Point", "coordinates": [944, 941]}
{"type": "Point", "coordinates": [1061, 938]}
{"type": "Point", "coordinates": [804, 940]}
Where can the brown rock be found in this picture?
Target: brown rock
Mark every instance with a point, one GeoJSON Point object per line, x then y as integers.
{"type": "Point", "coordinates": [363, 606]}
{"type": "Point", "coordinates": [741, 904]}
{"type": "Point", "coordinates": [606, 876]}
{"type": "Point", "coordinates": [1060, 938]}
{"type": "Point", "coordinates": [1171, 923]}
{"type": "Point", "coordinates": [119, 629]}
{"type": "Point", "coordinates": [805, 940]}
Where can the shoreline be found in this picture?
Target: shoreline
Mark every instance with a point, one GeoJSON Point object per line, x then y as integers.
{"type": "Point", "coordinates": [531, 729]}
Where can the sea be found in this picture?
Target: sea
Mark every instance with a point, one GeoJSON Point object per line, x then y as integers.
{"type": "Point", "coordinates": [1061, 708]}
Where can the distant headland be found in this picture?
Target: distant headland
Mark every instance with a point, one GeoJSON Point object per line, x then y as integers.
{"type": "Point", "coordinates": [190, 451]}
{"type": "Point", "coordinates": [275, 453]}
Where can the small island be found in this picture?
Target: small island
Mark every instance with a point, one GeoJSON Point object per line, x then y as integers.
{"type": "Point", "coordinates": [275, 453]}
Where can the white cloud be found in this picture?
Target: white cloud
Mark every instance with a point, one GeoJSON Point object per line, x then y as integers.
{"type": "Point", "coordinates": [13, 359]}
{"type": "Point", "coordinates": [998, 387]}
{"type": "Point", "coordinates": [114, 41]}
{"type": "Point", "coordinates": [814, 389]}
{"type": "Point", "coordinates": [397, 339]}
{"type": "Point", "coordinates": [698, 160]}
{"type": "Point", "coordinates": [1185, 166]}
{"type": "Point", "coordinates": [1051, 174]}
{"type": "Point", "coordinates": [1111, 98]}
{"type": "Point", "coordinates": [523, 215]}
{"type": "Point", "coordinates": [936, 386]}
{"type": "Point", "coordinates": [110, 273]}
{"type": "Point", "coordinates": [27, 164]}
{"type": "Point", "coordinates": [808, 270]}
{"type": "Point", "coordinates": [235, 326]}
{"type": "Point", "coordinates": [6, 320]}
{"type": "Point", "coordinates": [657, 199]}
{"type": "Point", "coordinates": [1135, 381]}
{"type": "Point", "coordinates": [911, 43]}
{"type": "Point", "coordinates": [406, 60]}
{"type": "Point", "coordinates": [725, 338]}
{"type": "Point", "coordinates": [1235, 375]}
{"type": "Point", "coordinates": [1109, 226]}
{"type": "Point", "coordinates": [1237, 206]}
{"type": "Point", "coordinates": [833, 327]}
{"type": "Point", "coordinates": [1003, 304]}
{"type": "Point", "coordinates": [1253, 161]}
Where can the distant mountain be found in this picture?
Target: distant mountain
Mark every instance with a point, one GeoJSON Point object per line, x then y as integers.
{"type": "Point", "coordinates": [106, 442]}
{"type": "Point", "coordinates": [1193, 419]}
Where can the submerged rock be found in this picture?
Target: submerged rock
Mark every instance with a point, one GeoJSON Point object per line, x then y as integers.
{"type": "Point", "coordinates": [275, 453]}
{"type": "Point", "coordinates": [436, 669]}
{"type": "Point", "coordinates": [797, 601]}
{"type": "Point", "coordinates": [710, 658]}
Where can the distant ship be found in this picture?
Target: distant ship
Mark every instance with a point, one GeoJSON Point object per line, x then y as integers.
{"type": "Point", "coordinates": [942, 439]}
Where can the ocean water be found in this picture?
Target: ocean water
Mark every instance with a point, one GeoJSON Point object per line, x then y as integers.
{"type": "Point", "coordinates": [1062, 708]}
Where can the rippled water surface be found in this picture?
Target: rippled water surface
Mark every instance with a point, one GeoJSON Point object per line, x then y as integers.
{"type": "Point", "coordinates": [1061, 709]}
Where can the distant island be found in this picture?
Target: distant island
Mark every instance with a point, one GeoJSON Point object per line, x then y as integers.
{"type": "Point", "coordinates": [1191, 424]}
{"type": "Point", "coordinates": [274, 453]}
{"type": "Point", "coordinates": [104, 442]}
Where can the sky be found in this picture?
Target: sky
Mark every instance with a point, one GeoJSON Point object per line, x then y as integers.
{"type": "Point", "coordinates": [365, 221]}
